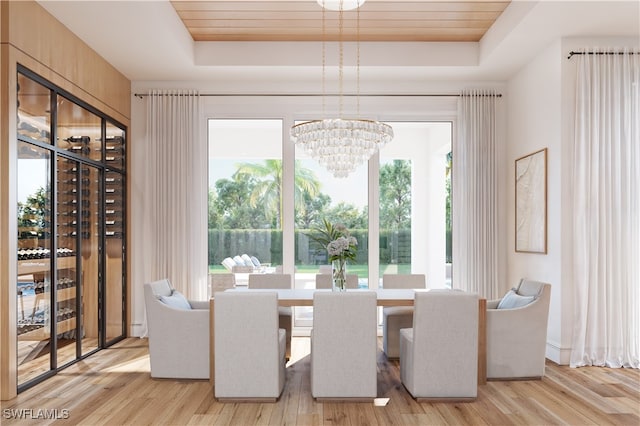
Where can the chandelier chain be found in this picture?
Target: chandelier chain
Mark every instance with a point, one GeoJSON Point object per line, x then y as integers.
{"type": "Point", "coordinates": [341, 63]}
{"type": "Point", "coordinates": [358, 63]}
{"type": "Point", "coordinates": [340, 144]}
{"type": "Point", "coordinates": [323, 59]}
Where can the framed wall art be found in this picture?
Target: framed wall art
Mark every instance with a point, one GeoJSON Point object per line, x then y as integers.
{"type": "Point", "coordinates": [531, 202]}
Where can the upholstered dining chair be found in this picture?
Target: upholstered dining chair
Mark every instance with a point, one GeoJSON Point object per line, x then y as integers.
{"type": "Point", "coordinates": [249, 346]}
{"type": "Point", "coordinates": [517, 332]}
{"type": "Point", "coordinates": [325, 269]}
{"type": "Point", "coordinates": [439, 354]}
{"type": "Point", "coordinates": [344, 345]}
{"type": "Point", "coordinates": [396, 317]}
{"type": "Point", "coordinates": [175, 323]}
{"type": "Point", "coordinates": [325, 281]}
{"type": "Point", "coordinates": [221, 282]}
{"type": "Point", "coordinates": [276, 281]}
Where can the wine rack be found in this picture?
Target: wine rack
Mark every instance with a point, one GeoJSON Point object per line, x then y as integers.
{"type": "Point", "coordinates": [114, 203]}
{"type": "Point", "coordinates": [114, 152]}
{"type": "Point", "coordinates": [33, 321]}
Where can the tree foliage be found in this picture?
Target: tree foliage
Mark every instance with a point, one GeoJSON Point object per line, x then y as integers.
{"type": "Point", "coordinates": [395, 195]}
{"type": "Point", "coordinates": [267, 190]}
{"type": "Point", "coordinates": [252, 199]}
{"type": "Point", "coordinates": [311, 214]}
{"type": "Point", "coordinates": [33, 214]}
{"type": "Point", "coordinates": [233, 206]}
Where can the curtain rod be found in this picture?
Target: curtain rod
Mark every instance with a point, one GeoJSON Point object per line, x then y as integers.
{"type": "Point", "coordinates": [600, 53]}
{"type": "Point", "coordinates": [390, 95]}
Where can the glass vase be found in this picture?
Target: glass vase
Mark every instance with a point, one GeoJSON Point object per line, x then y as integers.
{"type": "Point", "coordinates": [339, 274]}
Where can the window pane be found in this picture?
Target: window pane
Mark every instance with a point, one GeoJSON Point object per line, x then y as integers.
{"type": "Point", "coordinates": [79, 131]}
{"type": "Point", "coordinates": [245, 196]}
{"type": "Point", "coordinates": [395, 215]}
{"type": "Point", "coordinates": [34, 262]}
{"type": "Point", "coordinates": [72, 182]}
{"type": "Point", "coordinates": [413, 200]}
{"type": "Point", "coordinates": [34, 116]}
{"type": "Point", "coordinates": [114, 221]}
{"type": "Point", "coordinates": [90, 249]}
{"type": "Point", "coordinates": [114, 241]}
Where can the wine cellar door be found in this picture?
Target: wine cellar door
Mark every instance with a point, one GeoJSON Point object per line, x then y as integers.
{"type": "Point", "coordinates": [71, 240]}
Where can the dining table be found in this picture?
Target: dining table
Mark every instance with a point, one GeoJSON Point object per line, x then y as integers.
{"type": "Point", "coordinates": [385, 297]}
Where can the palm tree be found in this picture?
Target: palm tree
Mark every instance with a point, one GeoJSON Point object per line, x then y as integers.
{"type": "Point", "coordinates": [268, 190]}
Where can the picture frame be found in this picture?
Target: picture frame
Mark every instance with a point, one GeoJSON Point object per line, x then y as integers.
{"type": "Point", "coordinates": [531, 203]}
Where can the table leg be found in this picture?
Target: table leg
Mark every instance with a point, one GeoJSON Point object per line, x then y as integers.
{"type": "Point", "coordinates": [212, 342]}
{"type": "Point", "coordinates": [482, 341]}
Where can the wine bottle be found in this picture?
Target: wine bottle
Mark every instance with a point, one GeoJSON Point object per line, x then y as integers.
{"type": "Point", "coordinates": [78, 139]}
{"type": "Point", "coordinates": [84, 150]}
{"type": "Point", "coordinates": [113, 139]}
{"type": "Point", "coordinates": [85, 181]}
{"type": "Point", "coordinates": [84, 170]}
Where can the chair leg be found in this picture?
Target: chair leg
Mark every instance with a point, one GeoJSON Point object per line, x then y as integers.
{"type": "Point", "coordinates": [285, 322]}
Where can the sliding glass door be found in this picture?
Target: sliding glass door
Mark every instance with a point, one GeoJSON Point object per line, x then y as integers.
{"type": "Point", "coordinates": [409, 195]}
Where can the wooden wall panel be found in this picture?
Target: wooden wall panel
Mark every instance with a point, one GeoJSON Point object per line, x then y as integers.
{"type": "Point", "coordinates": [30, 36]}
{"type": "Point", "coordinates": [8, 226]}
{"type": "Point", "coordinates": [73, 65]}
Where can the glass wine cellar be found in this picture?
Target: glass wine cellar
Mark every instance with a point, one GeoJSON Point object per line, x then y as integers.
{"type": "Point", "coordinates": [71, 229]}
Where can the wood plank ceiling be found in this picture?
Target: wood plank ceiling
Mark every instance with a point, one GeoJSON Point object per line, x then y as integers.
{"type": "Point", "coordinates": [301, 20]}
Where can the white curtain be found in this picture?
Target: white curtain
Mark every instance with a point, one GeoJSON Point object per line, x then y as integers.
{"type": "Point", "coordinates": [475, 198]}
{"type": "Point", "coordinates": [606, 193]}
{"type": "Point", "coordinates": [176, 192]}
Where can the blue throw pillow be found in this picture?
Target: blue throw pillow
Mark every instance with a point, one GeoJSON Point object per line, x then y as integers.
{"type": "Point", "coordinates": [514, 300]}
{"type": "Point", "coordinates": [176, 300]}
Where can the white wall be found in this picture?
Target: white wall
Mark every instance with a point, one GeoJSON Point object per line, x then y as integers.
{"type": "Point", "coordinates": [534, 123]}
{"type": "Point", "coordinates": [288, 109]}
{"type": "Point", "coordinates": [541, 115]}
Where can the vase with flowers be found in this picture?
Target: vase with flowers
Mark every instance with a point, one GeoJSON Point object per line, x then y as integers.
{"type": "Point", "coordinates": [341, 246]}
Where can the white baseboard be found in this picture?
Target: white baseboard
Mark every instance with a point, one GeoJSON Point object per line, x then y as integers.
{"type": "Point", "coordinates": [136, 330]}
{"type": "Point", "coordinates": [558, 354]}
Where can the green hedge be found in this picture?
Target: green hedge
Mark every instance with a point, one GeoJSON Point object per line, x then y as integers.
{"type": "Point", "coordinates": [266, 245]}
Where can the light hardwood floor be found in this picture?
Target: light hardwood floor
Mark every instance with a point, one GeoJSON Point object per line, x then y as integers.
{"type": "Point", "coordinates": [114, 387]}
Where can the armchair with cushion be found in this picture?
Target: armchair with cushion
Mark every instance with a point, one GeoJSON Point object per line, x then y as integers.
{"type": "Point", "coordinates": [178, 333]}
{"type": "Point", "coordinates": [517, 332]}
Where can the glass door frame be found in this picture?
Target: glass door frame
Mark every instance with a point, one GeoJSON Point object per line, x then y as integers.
{"type": "Point", "coordinates": [57, 152]}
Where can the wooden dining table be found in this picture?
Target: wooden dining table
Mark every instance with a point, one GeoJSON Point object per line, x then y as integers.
{"type": "Point", "coordinates": [385, 297]}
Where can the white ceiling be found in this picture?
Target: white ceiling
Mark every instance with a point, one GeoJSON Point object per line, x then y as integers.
{"type": "Point", "coordinates": [146, 41]}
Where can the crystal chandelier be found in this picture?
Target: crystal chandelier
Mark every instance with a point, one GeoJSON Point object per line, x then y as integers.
{"type": "Point", "coordinates": [341, 144]}
{"type": "Point", "coordinates": [340, 4]}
